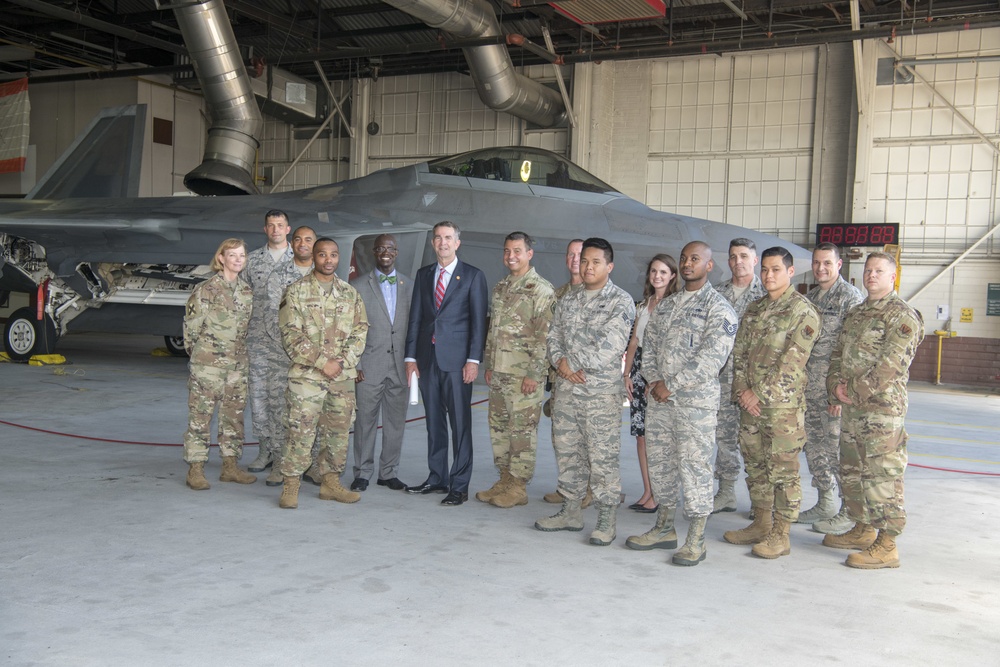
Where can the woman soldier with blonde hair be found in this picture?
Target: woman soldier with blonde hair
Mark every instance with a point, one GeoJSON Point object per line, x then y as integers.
{"type": "Point", "coordinates": [215, 332]}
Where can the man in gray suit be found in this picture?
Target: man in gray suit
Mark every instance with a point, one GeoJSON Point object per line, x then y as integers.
{"type": "Point", "coordinates": [381, 382]}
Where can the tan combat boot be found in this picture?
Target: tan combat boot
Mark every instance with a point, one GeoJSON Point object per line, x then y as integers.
{"type": "Point", "coordinates": [312, 475]}
{"type": "Point", "coordinates": [825, 508]}
{"type": "Point", "coordinates": [568, 518]}
{"type": "Point", "coordinates": [290, 493]}
{"type": "Point", "coordinates": [332, 490]}
{"type": "Point", "coordinates": [587, 499]}
{"type": "Point", "coordinates": [275, 478]}
{"type": "Point", "coordinates": [753, 533]}
{"type": "Point", "coordinates": [882, 553]}
{"type": "Point", "coordinates": [555, 498]}
{"type": "Point", "coordinates": [693, 551]}
{"type": "Point", "coordinates": [231, 473]}
{"type": "Point", "coordinates": [776, 543]}
{"type": "Point", "coordinates": [859, 537]}
{"type": "Point", "coordinates": [604, 531]}
{"type": "Point", "coordinates": [263, 460]}
{"type": "Point", "coordinates": [515, 493]}
{"type": "Point", "coordinates": [196, 476]}
{"type": "Point", "coordinates": [725, 498]}
{"type": "Point", "coordinates": [497, 488]}
{"type": "Point", "coordinates": [660, 536]}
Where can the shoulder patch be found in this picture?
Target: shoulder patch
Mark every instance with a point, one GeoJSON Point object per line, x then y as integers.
{"type": "Point", "coordinates": [905, 330]}
{"type": "Point", "coordinates": [730, 328]}
{"type": "Point", "coordinates": [191, 309]}
{"type": "Point", "coordinates": [808, 331]}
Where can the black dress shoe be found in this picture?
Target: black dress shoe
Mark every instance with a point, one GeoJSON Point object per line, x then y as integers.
{"type": "Point", "coordinates": [426, 488]}
{"type": "Point", "coordinates": [359, 484]}
{"type": "Point", "coordinates": [393, 483]}
{"type": "Point", "coordinates": [455, 498]}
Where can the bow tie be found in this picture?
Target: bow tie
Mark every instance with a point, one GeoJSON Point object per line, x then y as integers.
{"type": "Point", "coordinates": [384, 278]}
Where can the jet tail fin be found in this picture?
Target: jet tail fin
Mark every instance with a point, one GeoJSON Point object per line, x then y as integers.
{"type": "Point", "coordinates": [103, 161]}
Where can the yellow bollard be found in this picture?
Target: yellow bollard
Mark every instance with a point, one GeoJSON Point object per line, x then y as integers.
{"type": "Point", "coordinates": [941, 336]}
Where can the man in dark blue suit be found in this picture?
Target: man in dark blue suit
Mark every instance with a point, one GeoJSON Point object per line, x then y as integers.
{"type": "Point", "coordinates": [445, 339]}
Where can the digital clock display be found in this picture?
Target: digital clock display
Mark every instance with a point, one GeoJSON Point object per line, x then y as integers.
{"type": "Point", "coordinates": [861, 234]}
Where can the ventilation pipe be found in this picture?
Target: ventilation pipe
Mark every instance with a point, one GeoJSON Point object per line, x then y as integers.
{"type": "Point", "coordinates": [499, 86]}
{"type": "Point", "coordinates": [228, 165]}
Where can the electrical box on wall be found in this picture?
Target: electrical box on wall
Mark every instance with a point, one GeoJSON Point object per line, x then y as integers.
{"type": "Point", "coordinates": [943, 312]}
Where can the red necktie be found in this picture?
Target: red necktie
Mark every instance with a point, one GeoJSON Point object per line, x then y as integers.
{"type": "Point", "coordinates": [439, 291]}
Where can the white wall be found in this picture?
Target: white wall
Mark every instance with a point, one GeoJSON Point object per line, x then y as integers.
{"type": "Point", "coordinates": [60, 111]}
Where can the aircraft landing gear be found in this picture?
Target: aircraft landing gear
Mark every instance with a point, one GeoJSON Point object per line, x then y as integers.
{"type": "Point", "coordinates": [175, 345]}
{"type": "Point", "coordinates": [24, 336]}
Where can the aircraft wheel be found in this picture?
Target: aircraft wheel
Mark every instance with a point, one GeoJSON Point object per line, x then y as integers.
{"type": "Point", "coordinates": [24, 336]}
{"type": "Point", "coordinates": [175, 345]}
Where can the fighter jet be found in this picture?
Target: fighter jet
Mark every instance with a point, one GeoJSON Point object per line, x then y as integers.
{"type": "Point", "coordinates": [94, 257]}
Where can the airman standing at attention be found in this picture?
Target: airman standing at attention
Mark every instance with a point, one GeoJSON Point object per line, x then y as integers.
{"type": "Point", "coordinates": [686, 344]}
{"type": "Point", "coordinates": [741, 290]}
{"type": "Point", "coordinates": [323, 327]}
{"type": "Point", "coordinates": [588, 336]}
{"type": "Point", "coordinates": [775, 339]}
{"type": "Point", "coordinates": [269, 270]}
{"type": "Point", "coordinates": [516, 367]}
{"type": "Point", "coordinates": [573, 251]}
{"type": "Point", "coordinates": [215, 332]}
{"type": "Point", "coordinates": [868, 373]}
{"type": "Point", "coordinates": [833, 297]}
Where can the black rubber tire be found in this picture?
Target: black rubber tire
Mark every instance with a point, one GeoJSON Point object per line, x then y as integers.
{"type": "Point", "coordinates": [24, 336]}
{"type": "Point", "coordinates": [175, 345]}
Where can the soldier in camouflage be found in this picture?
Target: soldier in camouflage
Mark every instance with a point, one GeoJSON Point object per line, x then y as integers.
{"type": "Point", "coordinates": [741, 290]}
{"type": "Point", "coordinates": [215, 332]}
{"type": "Point", "coordinates": [833, 297]}
{"type": "Point", "coordinates": [869, 370]}
{"type": "Point", "coordinates": [268, 272]}
{"type": "Point", "coordinates": [323, 328]}
{"type": "Point", "coordinates": [588, 336]}
{"type": "Point", "coordinates": [573, 251]}
{"type": "Point", "coordinates": [516, 366]}
{"type": "Point", "coordinates": [687, 342]}
{"type": "Point", "coordinates": [775, 339]}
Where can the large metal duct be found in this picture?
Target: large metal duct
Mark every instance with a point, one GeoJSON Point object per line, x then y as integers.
{"type": "Point", "coordinates": [499, 86]}
{"type": "Point", "coordinates": [228, 165]}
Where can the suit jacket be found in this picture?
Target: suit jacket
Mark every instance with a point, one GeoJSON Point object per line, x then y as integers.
{"type": "Point", "coordinates": [383, 355]}
{"type": "Point", "coordinates": [459, 327]}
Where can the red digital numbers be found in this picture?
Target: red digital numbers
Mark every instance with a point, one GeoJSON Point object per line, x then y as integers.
{"type": "Point", "coordinates": [858, 235]}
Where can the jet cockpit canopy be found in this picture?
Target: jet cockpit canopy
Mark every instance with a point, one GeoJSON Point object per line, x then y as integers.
{"type": "Point", "coordinates": [520, 164]}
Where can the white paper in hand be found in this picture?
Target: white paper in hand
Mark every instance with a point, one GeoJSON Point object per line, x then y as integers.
{"type": "Point", "coordinates": [414, 389]}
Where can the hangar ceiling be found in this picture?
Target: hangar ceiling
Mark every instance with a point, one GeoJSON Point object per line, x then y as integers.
{"type": "Point", "coordinates": [364, 38]}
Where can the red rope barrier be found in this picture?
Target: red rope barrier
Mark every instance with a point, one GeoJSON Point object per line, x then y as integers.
{"type": "Point", "coordinates": [146, 444]}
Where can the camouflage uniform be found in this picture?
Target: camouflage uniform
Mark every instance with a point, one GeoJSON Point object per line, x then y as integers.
{"type": "Point", "coordinates": [687, 342]}
{"type": "Point", "coordinates": [591, 334]}
{"type": "Point", "coordinates": [215, 333]}
{"type": "Point", "coordinates": [515, 349]}
{"type": "Point", "coordinates": [268, 362]}
{"type": "Point", "coordinates": [316, 327]}
{"type": "Point", "coordinates": [822, 430]}
{"type": "Point", "coordinates": [727, 460]}
{"type": "Point", "coordinates": [772, 347]}
{"type": "Point", "coordinates": [873, 354]}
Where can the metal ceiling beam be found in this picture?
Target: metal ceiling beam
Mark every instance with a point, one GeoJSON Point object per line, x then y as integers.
{"type": "Point", "coordinates": [81, 19]}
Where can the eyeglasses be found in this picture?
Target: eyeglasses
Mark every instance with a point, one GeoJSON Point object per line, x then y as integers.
{"type": "Point", "coordinates": [379, 250]}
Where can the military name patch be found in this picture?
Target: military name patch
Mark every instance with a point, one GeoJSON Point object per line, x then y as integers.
{"type": "Point", "coordinates": [730, 327]}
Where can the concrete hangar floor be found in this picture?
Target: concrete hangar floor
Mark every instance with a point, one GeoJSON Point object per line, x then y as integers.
{"type": "Point", "coordinates": [106, 558]}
